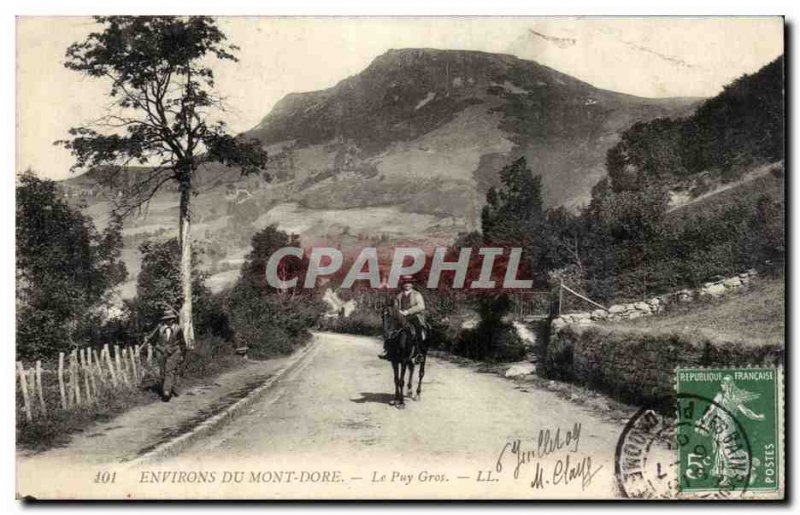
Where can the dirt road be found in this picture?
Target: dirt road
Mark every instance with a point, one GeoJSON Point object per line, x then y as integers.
{"type": "Point", "coordinates": [326, 429]}
{"type": "Point", "coordinates": [334, 412]}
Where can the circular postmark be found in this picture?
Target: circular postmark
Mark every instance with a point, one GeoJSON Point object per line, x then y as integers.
{"type": "Point", "coordinates": [703, 453]}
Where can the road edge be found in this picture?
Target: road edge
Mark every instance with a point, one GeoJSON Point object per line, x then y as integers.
{"type": "Point", "coordinates": [204, 428]}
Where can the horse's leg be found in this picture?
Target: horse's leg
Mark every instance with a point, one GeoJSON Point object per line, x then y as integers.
{"type": "Point", "coordinates": [421, 375]}
{"type": "Point", "coordinates": [411, 378]}
{"type": "Point", "coordinates": [401, 403]}
{"type": "Point", "coordinates": [396, 373]}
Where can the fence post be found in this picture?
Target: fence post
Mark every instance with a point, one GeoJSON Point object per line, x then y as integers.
{"type": "Point", "coordinates": [133, 353]}
{"type": "Point", "coordinates": [23, 384]}
{"type": "Point", "coordinates": [86, 381]}
{"type": "Point", "coordinates": [118, 362]}
{"type": "Point", "coordinates": [82, 366]}
{"type": "Point", "coordinates": [71, 382]}
{"type": "Point", "coordinates": [77, 377]}
{"type": "Point", "coordinates": [61, 380]}
{"type": "Point", "coordinates": [107, 353]}
{"type": "Point", "coordinates": [90, 369]}
{"type": "Point", "coordinates": [30, 378]}
{"type": "Point", "coordinates": [126, 359]}
{"type": "Point", "coordinates": [39, 386]}
{"type": "Point", "coordinates": [98, 367]}
{"type": "Point", "coordinates": [560, 295]}
{"type": "Point", "coordinates": [125, 365]}
{"type": "Point", "coordinates": [149, 355]}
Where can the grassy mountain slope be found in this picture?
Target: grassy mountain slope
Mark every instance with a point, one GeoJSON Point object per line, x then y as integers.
{"type": "Point", "coordinates": [450, 116]}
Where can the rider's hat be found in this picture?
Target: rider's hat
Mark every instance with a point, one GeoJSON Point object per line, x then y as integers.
{"type": "Point", "coordinates": [169, 314]}
{"type": "Point", "coordinates": [407, 279]}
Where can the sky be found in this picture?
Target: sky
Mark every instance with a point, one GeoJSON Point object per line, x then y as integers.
{"type": "Point", "coordinates": [652, 57]}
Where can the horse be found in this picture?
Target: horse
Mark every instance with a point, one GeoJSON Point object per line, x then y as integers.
{"type": "Point", "coordinates": [403, 352]}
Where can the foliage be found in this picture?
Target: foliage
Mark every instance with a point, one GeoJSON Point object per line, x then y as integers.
{"type": "Point", "coordinates": [514, 209]}
{"type": "Point", "coordinates": [263, 244]}
{"type": "Point", "coordinates": [266, 320]}
{"type": "Point", "coordinates": [494, 343]}
{"type": "Point", "coordinates": [162, 92]}
{"type": "Point", "coordinates": [161, 81]}
{"type": "Point", "coordinates": [740, 126]}
{"type": "Point", "coordinates": [626, 244]}
{"type": "Point", "coordinates": [269, 323]}
{"type": "Point", "coordinates": [365, 322]}
{"type": "Point", "coordinates": [648, 152]}
{"type": "Point", "coordinates": [158, 287]}
{"type": "Point", "coordinates": [66, 269]}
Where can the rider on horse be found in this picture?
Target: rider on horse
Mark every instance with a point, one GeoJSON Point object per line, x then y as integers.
{"type": "Point", "coordinates": [411, 305]}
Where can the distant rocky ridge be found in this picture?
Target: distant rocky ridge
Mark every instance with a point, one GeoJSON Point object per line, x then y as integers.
{"type": "Point", "coordinates": [429, 129]}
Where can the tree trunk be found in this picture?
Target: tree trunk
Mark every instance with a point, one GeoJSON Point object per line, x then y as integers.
{"type": "Point", "coordinates": [186, 263]}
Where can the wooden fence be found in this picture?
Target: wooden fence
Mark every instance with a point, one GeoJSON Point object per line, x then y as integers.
{"type": "Point", "coordinates": [83, 377]}
{"type": "Point", "coordinates": [572, 302]}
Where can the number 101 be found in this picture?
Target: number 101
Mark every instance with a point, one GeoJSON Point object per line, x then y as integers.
{"type": "Point", "coordinates": [105, 477]}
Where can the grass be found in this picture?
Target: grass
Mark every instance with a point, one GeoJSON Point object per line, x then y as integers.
{"type": "Point", "coordinates": [754, 316]}
{"type": "Point", "coordinates": [57, 428]}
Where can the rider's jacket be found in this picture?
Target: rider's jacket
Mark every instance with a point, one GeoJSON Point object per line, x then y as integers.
{"type": "Point", "coordinates": [413, 304]}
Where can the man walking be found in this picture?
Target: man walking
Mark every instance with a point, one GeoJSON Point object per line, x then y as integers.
{"type": "Point", "coordinates": [171, 350]}
{"type": "Point", "coordinates": [411, 305]}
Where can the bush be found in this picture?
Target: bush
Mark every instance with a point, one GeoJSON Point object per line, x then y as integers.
{"type": "Point", "coordinates": [638, 366]}
{"type": "Point", "coordinates": [362, 322]}
{"type": "Point", "coordinates": [210, 356]}
{"type": "Point", "coordinates": [495, 343]}
{"type": "Point", "coordinates": [445, 333]}
{"type": "Point", "coordinates": [270, 324]}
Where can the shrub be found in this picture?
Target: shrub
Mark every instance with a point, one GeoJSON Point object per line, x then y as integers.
{"type": "Point", "coordinates": [210, 356]}
{"type": "Point", "coordinates": [491, 342]}
{"type": "Point", "coordinates": [638, 366]}
{"type": "Point", "coordinates": [270, 324]}
{"type": "Point", "coordinates": [362, 322]}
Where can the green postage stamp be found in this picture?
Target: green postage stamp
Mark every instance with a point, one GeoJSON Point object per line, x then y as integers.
{"type": "Point", "coordinates": [730, 431]}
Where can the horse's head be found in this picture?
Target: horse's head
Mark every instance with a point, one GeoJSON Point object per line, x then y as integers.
{"type": "Point", "coordinates": [387, 323]}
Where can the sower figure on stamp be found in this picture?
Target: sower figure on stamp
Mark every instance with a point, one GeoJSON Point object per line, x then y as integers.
{"type": "Point", "coordinates": [171, 354]}
{"type": "Point", "coordinates": [411, 305]}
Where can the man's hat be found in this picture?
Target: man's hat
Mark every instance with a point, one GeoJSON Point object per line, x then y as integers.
{"type": "Point", "coordinates": [407, 279]}
{"type": "Point", "coordinates": [169, 314]}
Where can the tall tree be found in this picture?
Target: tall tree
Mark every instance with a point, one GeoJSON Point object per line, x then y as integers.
{"type": "Point", "coordinates": [162, 93]}
{"type": "Point", "coordinates": [514, 214]}
{"type": "Point", "coordinates": [513, 211]}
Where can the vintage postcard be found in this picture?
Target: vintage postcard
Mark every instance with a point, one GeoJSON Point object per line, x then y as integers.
{"type": "Point", "coordinates": [355, 258]}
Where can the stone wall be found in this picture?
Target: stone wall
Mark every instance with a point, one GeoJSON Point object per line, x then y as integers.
{"type": "Point", "coordinates": [637, 366]}
{"type": "Point", "coordinates": [656, 304]}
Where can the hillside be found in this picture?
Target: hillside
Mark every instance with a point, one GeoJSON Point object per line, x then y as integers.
{"type": "Point", "coordinates": [402, 152]}
{"type": "Point", "coordinates": [418, 120]}
{"type": "Point", "coordinates": [690, 199]}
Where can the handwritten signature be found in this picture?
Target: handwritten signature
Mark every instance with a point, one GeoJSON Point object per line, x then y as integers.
{"type": "Point", "coordinates": [567, 468]}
